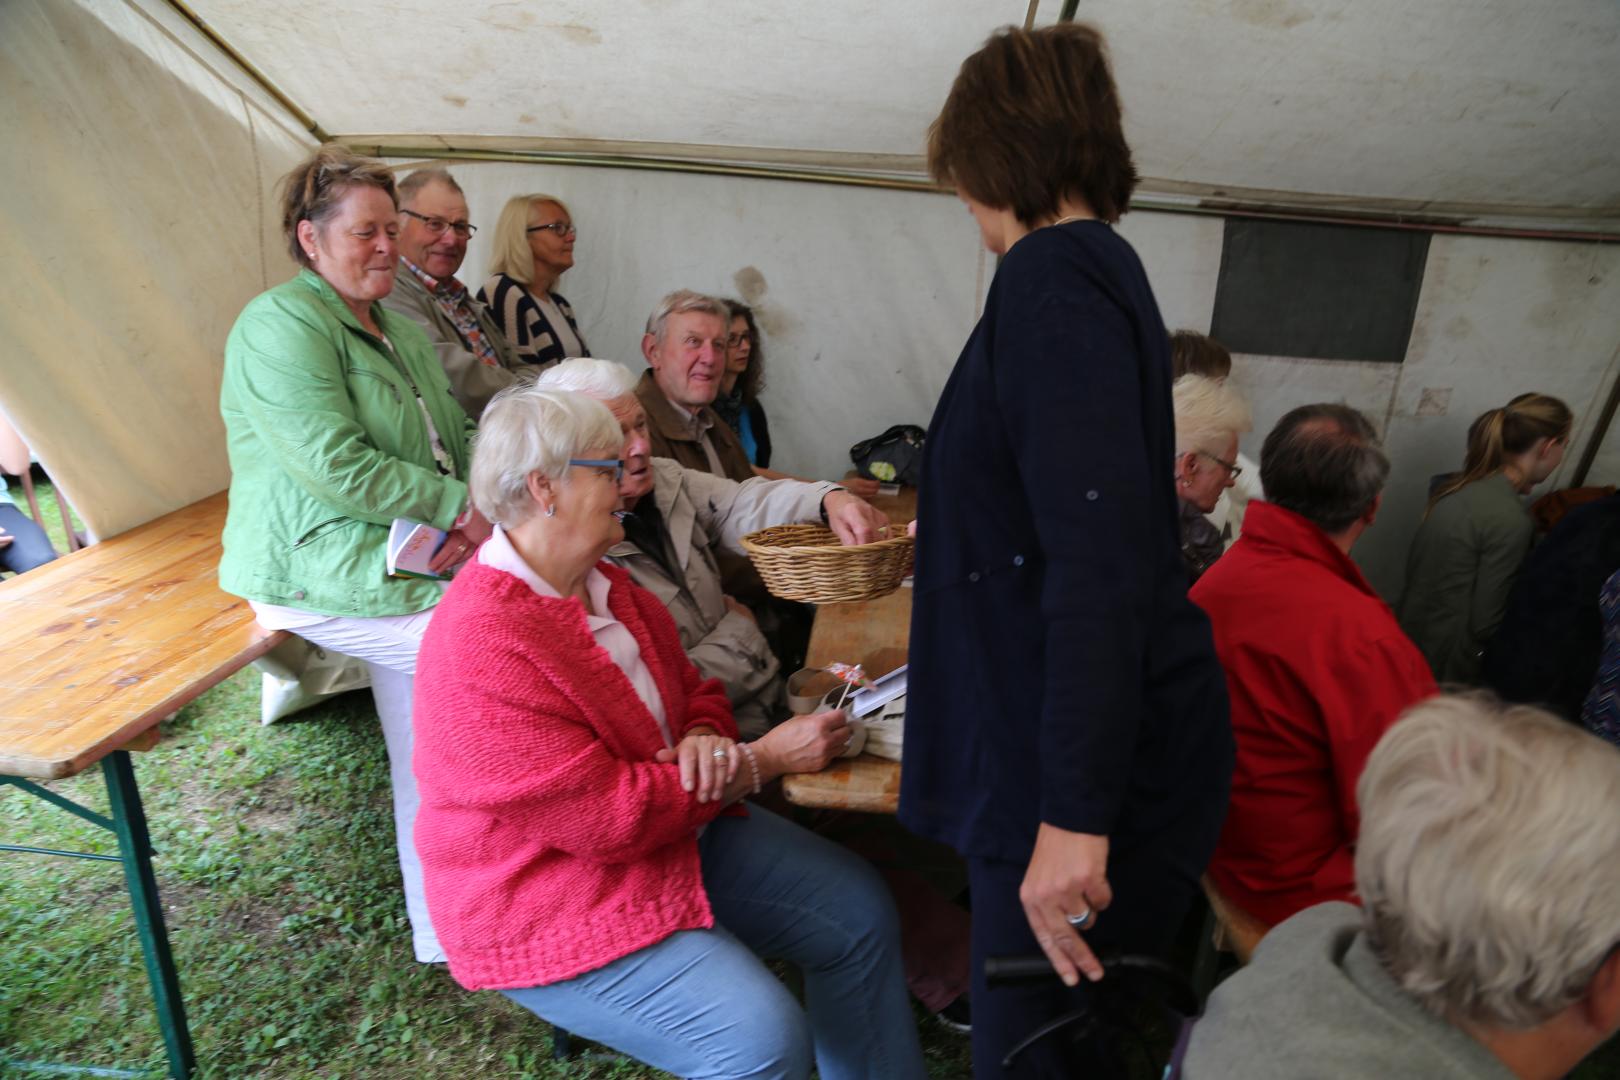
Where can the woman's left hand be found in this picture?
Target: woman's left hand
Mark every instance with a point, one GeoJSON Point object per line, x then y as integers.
{"type": "Point", "coordinates": [708, 763]}
{"type": "Point", "coordinates": [470, 530]}
{"type": "Point", "coordinates": [1064, 891]}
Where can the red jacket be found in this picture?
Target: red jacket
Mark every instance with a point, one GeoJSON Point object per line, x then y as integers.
{"type": "Point", "coordinates": [551, 843]}
{"type": "Point", "coordinates": [1317, 669]}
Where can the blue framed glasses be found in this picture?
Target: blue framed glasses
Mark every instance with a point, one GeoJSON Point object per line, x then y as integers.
{"type": "Point", "coordinates": [616, 464]}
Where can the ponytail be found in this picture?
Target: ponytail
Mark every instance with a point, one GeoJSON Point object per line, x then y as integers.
{"type": "Point", "coordinates": [1504, 433]}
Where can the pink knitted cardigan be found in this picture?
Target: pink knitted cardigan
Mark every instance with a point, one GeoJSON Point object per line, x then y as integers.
{"type": "Point", "coordinates": [551, 843]}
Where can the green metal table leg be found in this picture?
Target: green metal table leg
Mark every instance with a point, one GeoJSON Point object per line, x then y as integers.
{"type": "Point", "coordinates": [134, 844]}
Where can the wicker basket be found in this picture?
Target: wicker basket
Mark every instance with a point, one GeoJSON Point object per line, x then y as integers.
{"type": "Point", "coordinates": [806, 562]}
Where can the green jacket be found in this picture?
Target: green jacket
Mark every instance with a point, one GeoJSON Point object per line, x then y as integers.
{"type": "Point", "coordinates": [1459, 573]}
{"type": "Point", "coordinates": [327, 447]}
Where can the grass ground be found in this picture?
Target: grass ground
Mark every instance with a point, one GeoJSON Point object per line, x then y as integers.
{"type": "Point", "coordinates": [276, 865]}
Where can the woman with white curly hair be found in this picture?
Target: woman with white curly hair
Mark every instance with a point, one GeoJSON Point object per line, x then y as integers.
{"type": "Point", "coordinates": [585, 845]}
{"type": "Point", "coordinates": [1210, 415]}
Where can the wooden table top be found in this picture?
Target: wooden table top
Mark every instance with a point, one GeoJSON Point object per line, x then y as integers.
{"type": "Point", "coordinates": [101, 645]}
{"type": "Point", "coordinates": [874, 634]}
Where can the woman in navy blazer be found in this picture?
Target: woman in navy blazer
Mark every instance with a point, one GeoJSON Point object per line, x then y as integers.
{"type": "Point", "coordinates": [1067, 730]}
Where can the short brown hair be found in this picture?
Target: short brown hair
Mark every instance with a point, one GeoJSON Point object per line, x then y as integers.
{"type": "Point", "coordinates": [1192, 353]}
{"type": "Point", "coordinates": [421, 178]}
{"type": "Point", "coordinates": [312, 191]}
{"type": "Point", "coordinates": [1034, 118]}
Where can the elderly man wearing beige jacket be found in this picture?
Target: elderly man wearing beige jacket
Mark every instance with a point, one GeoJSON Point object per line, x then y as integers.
{"type": "Point", "coordinates": [682, 519]}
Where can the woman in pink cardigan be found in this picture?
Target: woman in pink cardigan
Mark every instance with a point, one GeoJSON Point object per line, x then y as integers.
{"type": "Point", "coordinates": [581, 831]}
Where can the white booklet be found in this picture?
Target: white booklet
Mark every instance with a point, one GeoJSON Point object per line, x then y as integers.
{"type": "Point", "coordinates": [869, 699]}
{"type": "Point", "coordinates": [411, 547]}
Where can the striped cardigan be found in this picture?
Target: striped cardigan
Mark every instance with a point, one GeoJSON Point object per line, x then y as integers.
{"type": "Point", "coordinates": [524, 324]}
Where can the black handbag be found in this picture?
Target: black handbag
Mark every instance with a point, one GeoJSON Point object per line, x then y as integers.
{"type": "Point", "coordinates": [894, 457]}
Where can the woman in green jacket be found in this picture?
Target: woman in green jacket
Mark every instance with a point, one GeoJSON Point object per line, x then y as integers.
{"type": "Point", "coordinates": [1477, 532]}
{"type": "Point", "coordinates": [339, 419]}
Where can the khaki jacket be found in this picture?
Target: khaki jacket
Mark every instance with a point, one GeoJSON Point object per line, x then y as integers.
{"type": "Point", "coordinates": [471, 380]}
{"type": "Point", "coordinates": [706, 515]}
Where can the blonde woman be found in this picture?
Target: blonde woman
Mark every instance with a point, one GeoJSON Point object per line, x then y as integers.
{"type": "Point", "coordinates": [534, 246]}
{"type": "Point", "coordinates": [1477, 532]}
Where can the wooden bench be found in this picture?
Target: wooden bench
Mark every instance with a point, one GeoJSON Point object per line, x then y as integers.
{"type": "Point", "coordinates": [874, 634]}
{"type": "Point", "coordinates": [1235, 930]}
{"type": "Point", "coordinates": [100, 646]}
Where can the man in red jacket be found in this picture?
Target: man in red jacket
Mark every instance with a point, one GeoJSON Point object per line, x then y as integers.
{"type": "Point", "coordinates": [1316, 665]}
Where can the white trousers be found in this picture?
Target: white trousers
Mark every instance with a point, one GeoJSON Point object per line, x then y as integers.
{"type": "Point", "coordinates": [388, 645]}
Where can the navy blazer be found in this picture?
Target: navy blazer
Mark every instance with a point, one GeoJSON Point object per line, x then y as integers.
{"type": "Point", "coordinates": [1058, 671]}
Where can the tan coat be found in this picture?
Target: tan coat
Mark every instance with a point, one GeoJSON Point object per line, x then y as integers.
{"type": "Point", "coordinates": [706, 515]}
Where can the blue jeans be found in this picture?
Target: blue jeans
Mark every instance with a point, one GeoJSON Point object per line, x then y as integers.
{"type": "Point", "coordinates": [700, 1003]}
{"type": "Point", "coordinates": [30, 547]}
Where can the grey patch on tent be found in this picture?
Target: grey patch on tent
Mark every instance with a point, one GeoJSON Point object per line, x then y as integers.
{"type": "Point", "coordinates": [1434, 401]}
{"type": "Point", "coordinates": [750, 284]}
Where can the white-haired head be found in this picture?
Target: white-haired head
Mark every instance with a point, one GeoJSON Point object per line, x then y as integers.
{"type": "Point", "coordinates": [1209, 415]}
{"type": "Point", "coordinates": [1488, 861]}
{"type": "Point", "coordinates": [526, 429]}
{"type": "Point", "coordinates": [603, 380]}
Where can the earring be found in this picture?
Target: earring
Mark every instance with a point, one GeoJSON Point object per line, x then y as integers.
{"type": "Point", "coordinates": [551, 511]}
{"type": "Point", "coordinates": [1186, 482]}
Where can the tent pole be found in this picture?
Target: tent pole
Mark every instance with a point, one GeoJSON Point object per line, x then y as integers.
{"type": "Point", "coordinates": [1067, 14]}
{"type": "Point", "coordinates": [1600, 431]}
{"type": "Point", "coordinates": [202, 27]}
{"type": "Point", "coordinates": [1150, 202]}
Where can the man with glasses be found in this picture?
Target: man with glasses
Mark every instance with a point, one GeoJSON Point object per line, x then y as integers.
{"type": "Point", "coordinates": [1316, 665]}
{"type": "Point", "coordinates": [433, 235]}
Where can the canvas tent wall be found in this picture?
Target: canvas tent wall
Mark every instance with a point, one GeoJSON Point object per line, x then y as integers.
{"type": "Point", "coordinates": [140, 158]}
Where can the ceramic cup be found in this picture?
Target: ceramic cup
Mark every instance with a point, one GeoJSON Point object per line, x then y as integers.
{"type": "Point", "coordinates": [806, 687]}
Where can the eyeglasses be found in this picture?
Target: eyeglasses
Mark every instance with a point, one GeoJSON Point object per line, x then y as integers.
{"type": "Point", "coordinates": [616, 464]}
{"type": "Point", "coordinates": [561, 228]}
{"type": "Point", "coordinates": [1231, 467]}
{"type": "Point", "coordinates": [437, 225]}
{"type": "Point", "coordinates": [737, 339]}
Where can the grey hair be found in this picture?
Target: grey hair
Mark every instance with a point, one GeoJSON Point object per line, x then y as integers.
{"type": "Point", "coordinates": [1324, 462]}
{"type": "Point", "coordinates": [421, 178]}
{"type": "Point", "coordinates": [1209, 412]}
{"type": "Point", "coordinates": [528, 429]}
{"type": "Point", "coordinates": [680, 302]}
{"type": "Point", "coordinates": [1488, 861]}
{"type": "Point", "coordinates": [603, 380]}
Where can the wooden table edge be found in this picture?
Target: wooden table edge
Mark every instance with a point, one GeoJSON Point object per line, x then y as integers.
{"type": "Point", "coordinates": [58, 768]}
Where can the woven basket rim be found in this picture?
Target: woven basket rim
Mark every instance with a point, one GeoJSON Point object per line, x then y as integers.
{"type": "Point", "coordinates": [766, 543]}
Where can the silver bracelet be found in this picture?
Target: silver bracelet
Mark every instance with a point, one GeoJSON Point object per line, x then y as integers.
{"type": "Point", "coordinates": [753, 764]}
